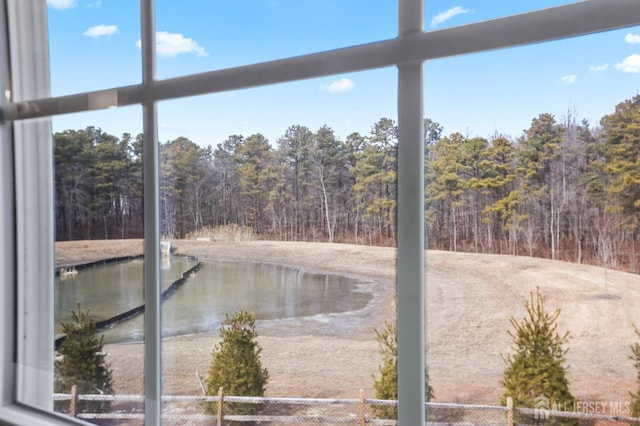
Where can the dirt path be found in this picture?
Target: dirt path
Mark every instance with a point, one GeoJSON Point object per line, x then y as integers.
{"type": "Point", "coordinates": [470, 299]}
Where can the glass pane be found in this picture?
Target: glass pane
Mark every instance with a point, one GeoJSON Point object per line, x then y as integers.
{"type": "Point", "coordinates": [440, 15]}
{"type": "Point", "coordinates": [286, 196]}
{"type": "Point", "coordinates": [99, 279]}
{"type": "Point", "coordinates": [93, 45]}
{"type": "Point", "coordinates": [589, 74]}
{"type": "Point", "coordinates": [203, 35]}
{"type": "Point", "coordinates": [531, 152]}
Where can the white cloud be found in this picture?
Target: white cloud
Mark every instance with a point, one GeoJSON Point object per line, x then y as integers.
{"type": "Point", "coordinates": [173, 44]}
{"type": "Point", "coordinates": [569, 79]}
{"type": "Point", "coordinates": [632, 38]}
{"type": "Point", "coordinates": [341, 85]}
{"type": "Point", "coordinates": [101, 31]}
{"type": "Point", "coordinates": [599, 68]}
{"type": "Point", "coordinates": [448, 14]}
{"type": "Point", "coordinates": [61, 4]}
{"type": "Point", "coordinates": [629, 64]}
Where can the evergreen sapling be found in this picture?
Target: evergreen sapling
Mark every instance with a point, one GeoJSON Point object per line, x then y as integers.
{"type": "Point", "coordinates": [236, 365]}
{"type": "Point", "coordinates": [535, 376]}
{"type": "Point", "coordinates": [81, 363]}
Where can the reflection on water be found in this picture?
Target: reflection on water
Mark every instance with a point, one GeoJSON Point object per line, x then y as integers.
{"type": "Point", "coordinates": [108, 290]}
{"type": "Point", "coordinates": [200, 304]}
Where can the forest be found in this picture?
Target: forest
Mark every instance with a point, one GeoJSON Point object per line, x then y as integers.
{"type": "Point", "coordinates": [564, 189]}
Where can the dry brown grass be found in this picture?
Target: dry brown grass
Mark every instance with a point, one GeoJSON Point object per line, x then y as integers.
{"type": "Point", "coordinates": [231, 232]}
{"type": "Point", "coordinates": [470, 299]}
{"type": "Point", "coordinates": [69, 252]}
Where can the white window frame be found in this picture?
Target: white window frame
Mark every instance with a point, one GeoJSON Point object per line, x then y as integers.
{"type": "Point", "coordinates": [26, 174]}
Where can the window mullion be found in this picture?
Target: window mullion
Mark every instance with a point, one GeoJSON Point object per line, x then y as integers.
{"type": "Point", "coordinates": [7, 234]}
{"type": "Point", "coordinates": [33, 151]}
{"type": "Point", "coordinates": [410, 256]}
{"type": "Point", "coordinates": [152, 270]}
{"type": "Point", "coordinates": [410, 17]}
{"type": "Point", "coordinates": [410, 213]}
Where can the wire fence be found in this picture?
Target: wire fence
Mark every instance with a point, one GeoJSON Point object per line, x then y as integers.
{"type": "Point", "coordinates": [241, 410]}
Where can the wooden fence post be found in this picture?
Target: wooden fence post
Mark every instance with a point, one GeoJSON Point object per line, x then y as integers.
{"type": "Point", "coordinates": [363, 409]}
{"type": "Point", "coordinates": [219, 416]}
{"type": "Point", "coordinates": [510, 411]}
{"type": "Point", "coordinates": [74, 400]}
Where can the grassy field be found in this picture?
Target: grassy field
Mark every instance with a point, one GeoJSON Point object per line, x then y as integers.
{"type": "Point", "coordinates": [470, 299]}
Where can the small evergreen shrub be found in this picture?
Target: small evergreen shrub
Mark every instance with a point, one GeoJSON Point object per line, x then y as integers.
{"type": "Point", "coordinates": [386, 385]}
{"type": "Point", "coordinates": [81, 362]}
{"type": "Point", "coordinates": [635, 357]}
{"type": "Point", "coordinates": [236, 365]}
{"type": "Point", "coordinates": [535, 376]}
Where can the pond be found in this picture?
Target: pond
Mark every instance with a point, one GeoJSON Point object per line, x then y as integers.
{"type": "Point", "coordinates": [200, 304]}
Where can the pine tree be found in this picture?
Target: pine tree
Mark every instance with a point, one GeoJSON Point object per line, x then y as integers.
{"type": "Point", "coordinates": [254, 158]}
{"type": "Point", "coordinates": [540, 153]}
{"type": "Point", "coordinates": [375, 180]}
{"type": "Point", "coordinates": [236, 365]}
{"type": "Point", "coordinates": [500, 213]}
{"type": "Point", "coordinates": [621, 159]}
{"type": "Point", "coordinates": [446, 186]}
{"type": "Point", "coordinates": [386, 386]}
{"type": "Point", "coordinates": [635, 357]}
{"type": "Point", "coordinates": [82, 364]}
{"type": "Point", "coordinates": [536, 371]}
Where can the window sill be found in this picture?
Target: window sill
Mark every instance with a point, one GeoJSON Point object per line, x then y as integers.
{"type": "Point", "coordinates": [20, 415]}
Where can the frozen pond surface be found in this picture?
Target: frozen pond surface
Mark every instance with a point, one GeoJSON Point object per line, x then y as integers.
{"type": "Point", "coordinates": [272, 292]}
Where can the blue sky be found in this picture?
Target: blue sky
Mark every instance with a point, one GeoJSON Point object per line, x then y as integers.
{"type": "Point", "coordinates": [94, 45]}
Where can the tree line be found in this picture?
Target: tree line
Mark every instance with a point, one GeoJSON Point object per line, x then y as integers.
{"type": "Point", "coordinates": [564, 189]}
